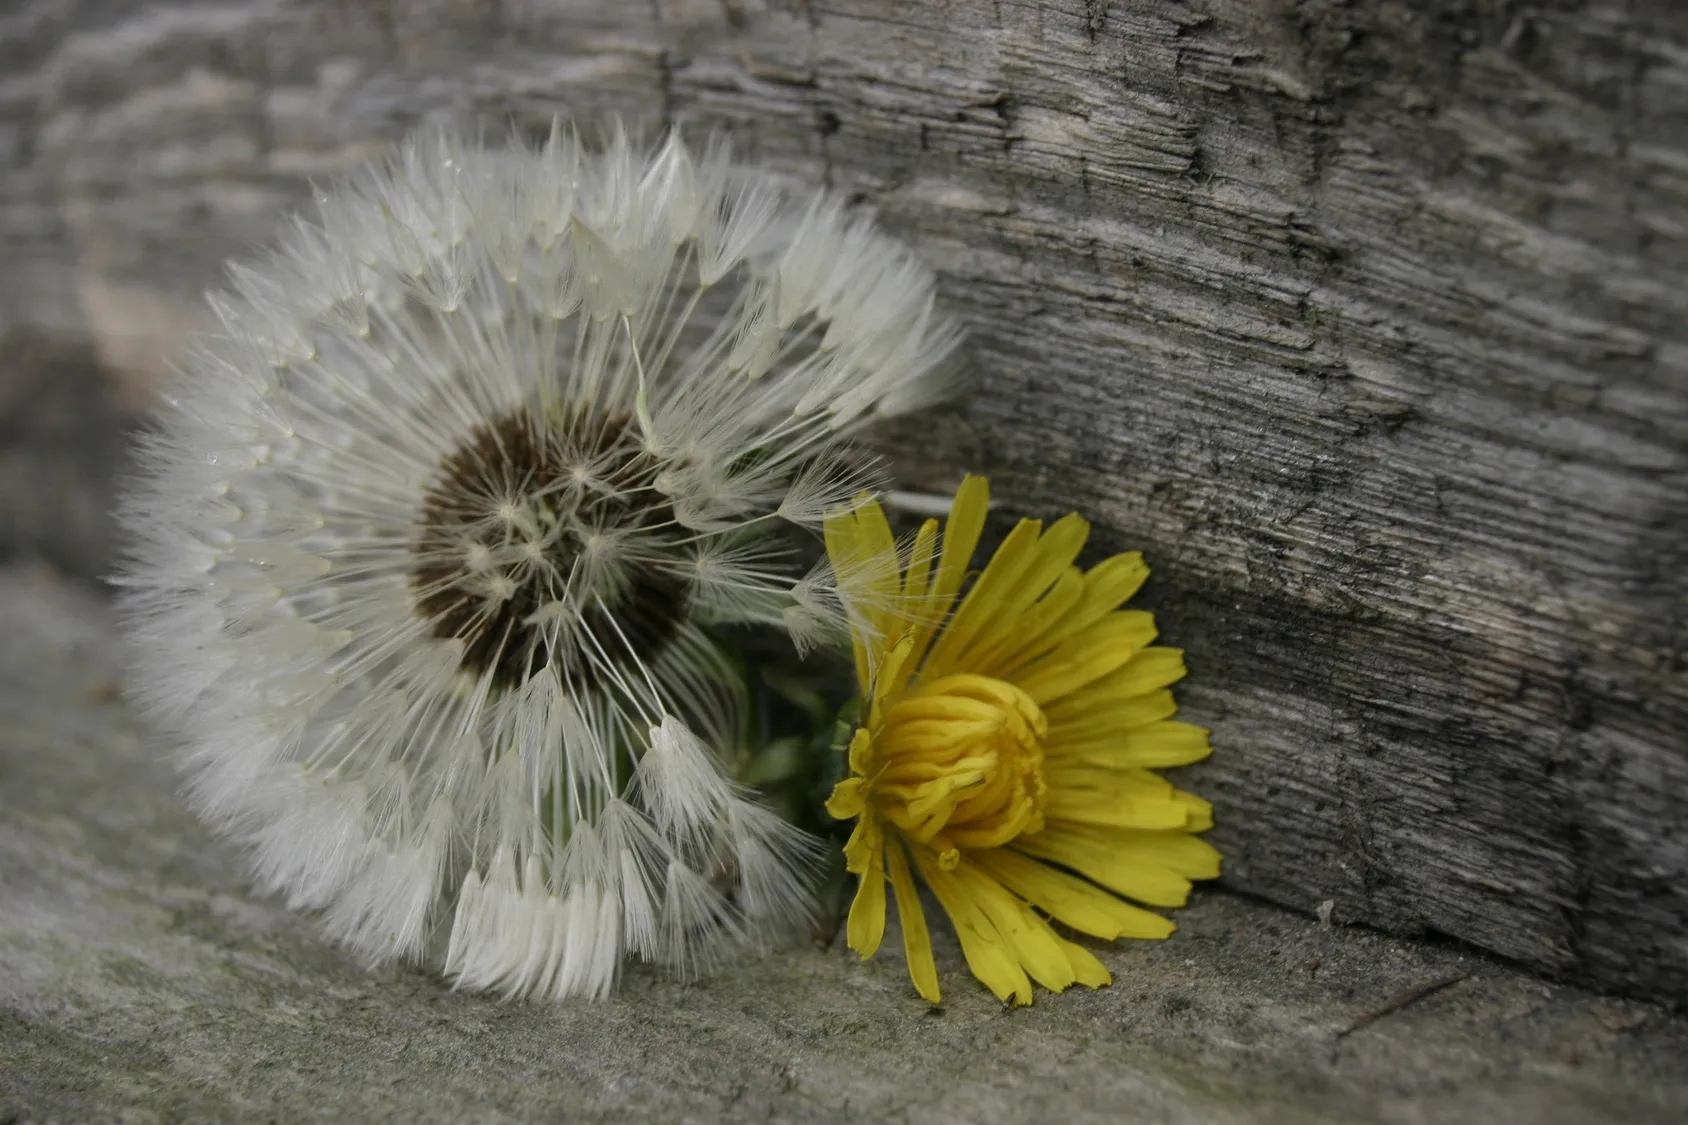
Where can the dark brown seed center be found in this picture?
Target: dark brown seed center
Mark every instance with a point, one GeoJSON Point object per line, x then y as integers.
{"type": "Point", "coordinates": [527, 513]}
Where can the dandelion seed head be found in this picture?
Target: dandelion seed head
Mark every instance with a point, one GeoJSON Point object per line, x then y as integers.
{"type": "Point", "coordinates": [430, 531]}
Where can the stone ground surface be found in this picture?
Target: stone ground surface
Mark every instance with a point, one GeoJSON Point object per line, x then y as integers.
{"type": "Point", "coordinates": [141, 981]}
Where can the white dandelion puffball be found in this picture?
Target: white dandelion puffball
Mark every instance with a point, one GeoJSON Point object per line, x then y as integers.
{"type": "Point", "coordinates": [430, 535]}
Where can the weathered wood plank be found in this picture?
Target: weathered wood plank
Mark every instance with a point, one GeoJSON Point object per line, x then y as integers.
{"type": "Point", "coordinates": [1369, 324]}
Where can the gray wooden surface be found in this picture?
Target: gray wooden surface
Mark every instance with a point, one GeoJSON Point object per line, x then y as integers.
{"type": "Point", "coordinates": [142, 982]}
{"type": "Point", "coordinates": [1366, 322]}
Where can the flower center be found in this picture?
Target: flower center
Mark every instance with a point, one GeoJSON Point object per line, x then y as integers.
{"type": "Point", "coordinates": [963, 764]}
{"type": "Point", "coordinates": [534, 544]}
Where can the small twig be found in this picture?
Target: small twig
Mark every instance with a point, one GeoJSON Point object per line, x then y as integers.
{"type": "Point", "coordinates": [1400, 1000]}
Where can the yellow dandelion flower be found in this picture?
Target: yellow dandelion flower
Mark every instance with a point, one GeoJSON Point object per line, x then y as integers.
{"type": "Point", "coordinates": [1007, 749]}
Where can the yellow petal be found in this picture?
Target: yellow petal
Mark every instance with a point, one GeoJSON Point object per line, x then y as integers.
{"type": "Point", "coordinates": [1086, 969]}
{"type": "Point", "coordinates": [1199, 811]}
{"type": "Point", "coordinates": [988, 954]}
{"type": "Point", "coordinates": [1080, 782]}
{"type": "Point", "coordinates": [1111, 583]}
{"type": "Point", "coordinates": [848, 798]}
{"type": "Point", "coordinates": [863, 554]}
{"type": "Point", "coordinates": [919, 570]}
{"type": "Point", "coordinates": [1190, 856]}
{"type": "Point", "coordinates": [960, 538]}
{"type": "Point", "coordinates": [1002, 613]}
{"type": "Point", "coordinates": [1159, 745]}
{"type": "Point", "coordinates": [874, 529]}
{"type": "Point", "coordinates": [891, 675]}
{"type": "Point", "coordinates": [861, 752]}
{"type": "Point", "coordinates": [1085, 658]}
{"type": "Point", "coordinates": [1177, 851]}
{"type": "Point", "coordinates": [941, 707]}
{"type": "Point", "coordinates": [1114, 798]}
{"type": "Point", "coordinates": [1086, 717]}
{"type": "Point", "coordinates": [1056, 550]}
{"type": "Point", "coordinates": [940, 740]}
{"type": "Point", "coordinates": [998, 614]}
{"type": "Point", "coordinates": [917, 940]}
{"type": "Point", "coordinates": [1137, 874]}
{"type": "Point", "coordinates": [961, 535]}
{"type": "Point", "coordinates": [866, 926]}
{"type": "Point", "coordinates": [984, 604]}
{"type": "Point", "coordinates": [1129, 629]}
{"type": "Point", "coordinates": [861, 851]}
{"type": "Point", "coordinates": [1153, 668]}
{"type": "Point", "coordinates": [1012, 650]}
{"type": "Point", "coordinates": [1034, 944]}
{"type": "Point", "coordinates": [1070, 900]}
{"type": "Point", "coordinates": [1146, 672]}
{"type": "Point", "coordinates": [1107, 586]}
{"type": "Point", "coordinates": [1161, 813]}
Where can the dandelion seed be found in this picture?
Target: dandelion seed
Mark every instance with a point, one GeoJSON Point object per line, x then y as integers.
{"type": "Point", "coordinates": [427, 536]}
{"type": "Point", "coordinates": [1007, 754]}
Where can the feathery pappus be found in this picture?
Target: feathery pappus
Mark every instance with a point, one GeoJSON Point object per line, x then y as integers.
{"type": "Point", "coordinates": [433, 530]}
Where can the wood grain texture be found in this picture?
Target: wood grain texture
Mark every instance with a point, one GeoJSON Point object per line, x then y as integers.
{"type": "Point", "coordinates": [1368, 323]}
